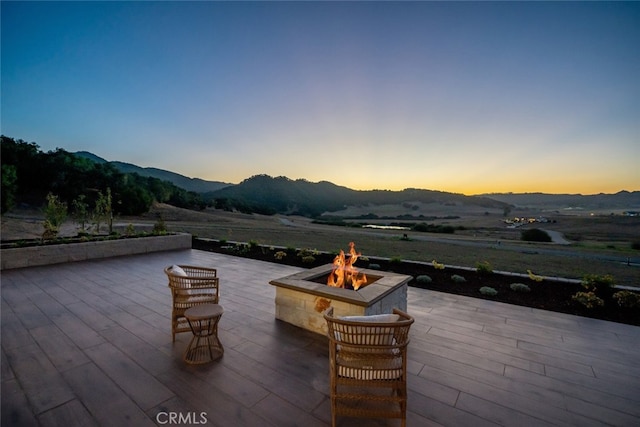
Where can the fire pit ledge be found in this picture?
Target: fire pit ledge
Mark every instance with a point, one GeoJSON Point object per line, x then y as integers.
{"type": "Point", "coordinates": [301, 301]}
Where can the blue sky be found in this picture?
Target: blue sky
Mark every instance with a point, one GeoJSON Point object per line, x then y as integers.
{"type": "Point", "coordinates": [464, 97]}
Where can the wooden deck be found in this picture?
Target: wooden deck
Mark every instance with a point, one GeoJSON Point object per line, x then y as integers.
{"type": "Point", "coordinates": [89, 343]}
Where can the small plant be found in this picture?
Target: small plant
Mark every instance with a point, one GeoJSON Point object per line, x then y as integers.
{"type": "Point", "coordinates": [627, 299]}
{"type": "Point", "coordinates": [588, 299]}
{"type": "Point", "coordinates": [488, 291]}
{"type": "Point", "coordinates": [484, 267]}
{"type": "Point", "coordinates": [534, 277]}
{"type": "Point", "coordinates": [458, 278]}
{"type": "Point", "coordinates": [374, 266]}
{"type": "Point", "coordinates": [102, 211]}
{"type": "Point", "coordinates": [81, 212]}
{"type": "Point", "coordinates": [309, 259]}
{"type": "Point", "coordinates": [160, 227]}
{"type": "Point", "coordinates": [223, 241]}
{"type": "Point", "coordinates": [280, 255]}
{"type": "Point", "coordinates": [55, 212]}
{"type": "Point", "coordinates": [395, 260]}
{"type": "Point", "coordinates": [520, 287]}
{"type": "Point", "coordinates": [592, 282]}
{"type": "Point", "coordinates": [437, 265]}
{"type": "Point", "coordinates": [253, 245]}
{"type": "Point", "coordinates": [129, 231]}
{"type": "Point", "coordinates": [424, 279]}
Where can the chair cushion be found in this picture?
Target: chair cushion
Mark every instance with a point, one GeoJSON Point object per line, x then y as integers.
{"type": "Point", "coordinates": [373, 318]}
{"type": "Point", "coordinates": [178, 271]}
{"type": "Point", "coordinates": [369, 366]}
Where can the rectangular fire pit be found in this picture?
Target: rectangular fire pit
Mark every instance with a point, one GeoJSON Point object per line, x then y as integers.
{"type": "Point", "coordinates": [301, 298]}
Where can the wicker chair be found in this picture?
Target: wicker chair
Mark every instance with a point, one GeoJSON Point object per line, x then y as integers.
{"type": "Point", "coordinates": [368, 365]}
{"type": "Point", "coordinates": [190, 286]}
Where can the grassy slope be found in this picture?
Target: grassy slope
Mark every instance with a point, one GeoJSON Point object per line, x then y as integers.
{"type": "Point", "coordinates": [509, 255]}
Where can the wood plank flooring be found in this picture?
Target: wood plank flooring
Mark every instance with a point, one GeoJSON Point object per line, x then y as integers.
{"type": "Point", "coordinates": [89, 344]}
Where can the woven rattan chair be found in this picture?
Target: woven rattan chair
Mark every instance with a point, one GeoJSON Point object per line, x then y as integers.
{"type": "Point", "coordinates": [368, 365]}
{"type": "Point", "coordinates": [190, 286]}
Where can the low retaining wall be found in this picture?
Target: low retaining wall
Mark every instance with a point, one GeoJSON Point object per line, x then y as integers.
{"type": "Point", "coordinates": [71, 252]}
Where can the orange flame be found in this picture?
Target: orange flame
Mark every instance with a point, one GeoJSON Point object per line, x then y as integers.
{"type": "Point", "coordinates": [344, 274]}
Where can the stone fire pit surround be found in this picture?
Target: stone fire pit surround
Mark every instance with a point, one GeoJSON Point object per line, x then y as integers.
{"type": "Point", "coordinates": [301, 301]}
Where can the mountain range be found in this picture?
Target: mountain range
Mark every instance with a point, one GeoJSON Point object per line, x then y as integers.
{"type": "Point", "coordinates": [284, 195]}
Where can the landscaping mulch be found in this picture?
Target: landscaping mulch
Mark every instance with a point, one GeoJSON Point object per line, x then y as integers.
{"type": "Point", "coordinates": [548, 294]}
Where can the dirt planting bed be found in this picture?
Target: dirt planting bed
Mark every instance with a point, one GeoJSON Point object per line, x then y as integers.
{"type": "Point", "coordinates": [547, 294]}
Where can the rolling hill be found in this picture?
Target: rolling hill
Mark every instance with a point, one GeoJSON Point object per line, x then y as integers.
{"type": "Point", "coordinates": [196, 185]}
{"type": "Point", "coordinates": [266, 194]}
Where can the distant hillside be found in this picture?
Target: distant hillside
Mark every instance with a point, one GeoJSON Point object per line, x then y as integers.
{"type": "Point", "coordinates": [269, 195]}
{"type": "Point", "coordinates": [190, 184]}
{"type": "Point", "coordinates": [266, 194]}
{"type": "Point", "coordinates": [621, 200]}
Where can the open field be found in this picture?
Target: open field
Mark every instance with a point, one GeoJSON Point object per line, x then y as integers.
{"type": "Point", "coordinates": [604, 246]}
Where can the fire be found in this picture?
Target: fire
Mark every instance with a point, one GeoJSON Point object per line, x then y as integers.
{"type": "Point", "coordinates": [344, 274]}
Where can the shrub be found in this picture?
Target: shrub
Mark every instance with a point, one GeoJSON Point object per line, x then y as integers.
{"type": "Point", "coordinates": [535, 235]}
{"type": "Point", "coordinates": [458, 279]}
{"type": "Point", "coordinates": [309, 259]}
{"type": "Point", "coordinates": [627, 299]}
{"type": "Point", "coordinates": [484, 267]}
{"type": "Point", "coordinates": [423, 279]}
{"type": "Point", "coordinates": [519, 287]}
{"type": "Point", "coordinates": [588, 299]}
{"type": "Point", "coordinates": [395, 260]}
{"type": "Point", "coordinates": [486, 290]}
{"type": "Point", "coordinates": [592, 282]}
{"type": "Point", "coordinates": [55, 213]}
{"type": "Point", "coordinates": [280, 255]}
{"type": "Point", "coordinates": [253, 244]}
{"type": "Point", "coordinates": [160, 227]}
{"type": "Point", "coordinates": [437, 265]}
{"type": "Point", "coordinates": [534, 277]}
{"type": "Point", "coordinates": [374, 266]}
{"type": "Point", "coordinates": [130, 231]}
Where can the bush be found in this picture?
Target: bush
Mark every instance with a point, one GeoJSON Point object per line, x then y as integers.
{"type": "Point", "coordinates": [627, 299]}
{"type": "Point", "coordinates": [486, 290]}
{"type": "Point", "coordinates": [309, 259]}
{"type": "Point", "coordinates": [423, 279]}
{"type": "Point", "coordinates": [535, 235]}
{"type": "Point", "coordinates": [160, 227]}
{"type": "Point", "coordinates": [395, 260]}
{"type": "Point", "coordinates": [458, 279]}
{"type": "Point", "coordinates": [280, 255]}
{"type": "Point", "coordinates": [437, 265]}
{"type": "Point", "coordinates": [520, 287]}
{"type": "Point", "coordinates": [593, 282]}
{"type": "Point", "coordinates": [374, 266]}
{"type": "Point", "coordinates": [484, 267]}
{"type": "Point", "coordinates": [55, 213]}
{"type": "Point", "coordinates": [588, 299]}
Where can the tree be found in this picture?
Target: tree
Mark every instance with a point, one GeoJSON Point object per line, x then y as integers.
{"type": "Point", "coordinates": [535, 235]}
{"type": "Point", "coordinates": [81, 211]}
{"type": "Point", "coordinates": [9, 187]}
{"type": "Point", "coordinates": [55, 212]}
{"type": "Point", "coordinates": [102, 211]}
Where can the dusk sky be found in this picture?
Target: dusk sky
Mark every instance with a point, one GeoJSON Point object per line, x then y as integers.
{"type": "Point", "coordinates": [461, 97]}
